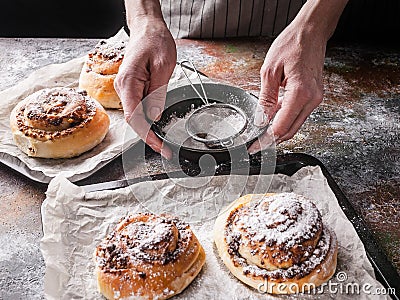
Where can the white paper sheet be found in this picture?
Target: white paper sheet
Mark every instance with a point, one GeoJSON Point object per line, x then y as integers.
{"type": "Point", "coordinates": [74, 223]}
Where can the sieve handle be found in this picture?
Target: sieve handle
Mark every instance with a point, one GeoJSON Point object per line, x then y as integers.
{"type": "Point", "coordinates": [181, 64]}
{"type": "Point", "coordinates": [227, 143]}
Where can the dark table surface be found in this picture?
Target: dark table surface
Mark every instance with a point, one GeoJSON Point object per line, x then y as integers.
{"type": "Point", "coordinates": [355, 132]}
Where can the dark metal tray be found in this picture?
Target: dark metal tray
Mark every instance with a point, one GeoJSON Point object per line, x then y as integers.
{"type": "Point", "coordinates": [289, 164]}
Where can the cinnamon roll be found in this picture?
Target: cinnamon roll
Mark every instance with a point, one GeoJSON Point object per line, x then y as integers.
{"type": "Point", "coordinates": [58, 123]}
{"type": "Point", "coordinates": [276, 243]}
{"type": "Point", "coordinates": [148, 257]}
{"type": "Point", "coordinates": [99, 71]}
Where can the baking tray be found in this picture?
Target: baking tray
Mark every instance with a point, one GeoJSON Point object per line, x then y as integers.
{"type": "Point", "coordinates": [289, 164]}
{"type": "Point", "coordinates": [17, 166]}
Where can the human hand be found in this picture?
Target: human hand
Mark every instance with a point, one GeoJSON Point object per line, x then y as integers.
{"type": "Point", "coordinates": [148, 64]}
{"type": "Point", "coordinates": [294, 62]}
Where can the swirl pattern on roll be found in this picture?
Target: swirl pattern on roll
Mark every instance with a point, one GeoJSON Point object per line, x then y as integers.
{"type": "Point", "coordinates": [58, 123]}
{"type": "Point", "coordinates": [276, 235]}
{"type": "Point", "coordinates": [276, 238]}
{"type": "Point", "coordinates": [106, 57]}
{"type": "Point", "coordinates": [55, 112]}
{"type": "Point", "coordinates": [278, 231]}
{"type": "Point", "coordinates": [100, 70]}
{"type": "Point", "coordinates": [144, 238]}
{"type": "Point", "coordinates": [150, 256]}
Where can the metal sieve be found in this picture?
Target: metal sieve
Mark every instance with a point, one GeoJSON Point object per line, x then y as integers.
{"type": "Point", "coordinates": [214, 124]}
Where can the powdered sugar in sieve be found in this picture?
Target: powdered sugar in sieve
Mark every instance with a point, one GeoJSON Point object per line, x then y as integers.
{"type": "Point", "coordinates": [216, 124]}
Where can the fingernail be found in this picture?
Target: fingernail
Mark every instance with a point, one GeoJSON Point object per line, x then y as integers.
{"type": "Point", "coordinates": [128, 117]}
{"type": "Point", "coordinates": [154, 113]}
{"type": "Point", "coordinates": [277, 139]}
{"type": "Point", "coordinates": [166, 153]}
{"type": "Point", "coordinates": [266, 141]}
{"type": "Point", "coordinates": [260, 119]}
{"type": "Point", "coordinates": [253, 150]}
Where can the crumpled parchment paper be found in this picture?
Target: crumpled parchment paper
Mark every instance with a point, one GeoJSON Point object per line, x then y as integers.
{"type": "Point", "coordinates": [74, 222]}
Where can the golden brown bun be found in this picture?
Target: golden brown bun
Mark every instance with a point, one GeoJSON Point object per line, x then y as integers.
{"type": "Point", "coordinates": [148, 257]}
{"type": "Point", "coordinates": [99, 72]}
{"type": "Point", "coordinates": [58, 123]}
{"type": "Point", "coordinates": [257, 232]}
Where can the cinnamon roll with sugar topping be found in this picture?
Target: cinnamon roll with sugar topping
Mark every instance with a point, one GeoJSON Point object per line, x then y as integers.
{"type": "Point", "coordinates": [148, 257]}
{"type": "Point", "coordinates": [58, 123]}
{"type": "Point", "coordinates": [99, 72]}
{"type": "Point", "coordinates": [276, 243]}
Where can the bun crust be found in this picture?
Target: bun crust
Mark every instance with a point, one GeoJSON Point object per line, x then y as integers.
{"type": "Point", "coordinates": [148, 257]}
{"type": "Point", "coordinates": [99, 72]}
{"type": "Point", "coordinates": [257, 241]}
{"type": "Point", "coordinates": [58, 123]}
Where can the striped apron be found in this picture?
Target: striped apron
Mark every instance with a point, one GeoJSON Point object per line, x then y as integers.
{"type": "Point", "coordinates": [228, 18]}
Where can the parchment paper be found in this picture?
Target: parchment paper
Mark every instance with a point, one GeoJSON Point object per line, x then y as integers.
{"type": "Point", "coordinates": [75, 222]}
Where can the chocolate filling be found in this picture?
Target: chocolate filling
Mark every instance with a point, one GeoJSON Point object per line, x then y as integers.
{"type": "Point", "coordinates": [54, 113]}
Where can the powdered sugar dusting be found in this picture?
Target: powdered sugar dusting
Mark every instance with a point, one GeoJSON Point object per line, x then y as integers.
{"type": "Point", "coordinates": [278, 236]}
{"type": "Point", "coordinates": [297, 270]}
{"type": "Point", "coordinates": [282, 219]}
{"type": "Point", "coordinates": [216, 123]}
{"type": "Point", "coordinates": [147, 250]}
{"type": "Point", "coordinates": [155, 239]}
{"type": "Point", "coordinates": [114, 50]}
{"type": "Point", "coordinates": [175, 130]}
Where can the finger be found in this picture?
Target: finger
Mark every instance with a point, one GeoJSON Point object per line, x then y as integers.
{"type": "Point", "coordinates": [279, 103]}
{"type": "Point", "coordinates": [297, 105]}
{"type": "Point", "coordinates": [157, 145]}
{"type": "Point", "coordinates": [270, 82]}
{"type": "Point", "coordinates": [131, 97]}
{"type": "Point", "coordinates": [267, 140]}
{"type": "Point", "coordinates": [143, 129]}
{"type": "Point", "coordinates": [293, 102]}
{"type": "Point", "coordinates": [154, 102]}
{"type": "Point", "coordinates": [301, 118]}
{"type": "Point", "coordinates": [157, 92]}
{"type": "Point", "coordinates": [131, 94]}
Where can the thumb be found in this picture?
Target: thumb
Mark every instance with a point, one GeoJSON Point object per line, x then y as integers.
{"type": "Point", "coordinates": [155, 100]}
{"type": "Point", "coordinates": [131, 94]}
{"type": "Point", "coordinates": [268, 99]}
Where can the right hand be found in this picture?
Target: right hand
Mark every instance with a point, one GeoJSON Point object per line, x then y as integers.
{"type": "Point", "coordinates": [148, 64]}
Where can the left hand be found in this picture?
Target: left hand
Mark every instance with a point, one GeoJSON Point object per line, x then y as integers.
{"type": "Point", "coordinates": [294, 62]}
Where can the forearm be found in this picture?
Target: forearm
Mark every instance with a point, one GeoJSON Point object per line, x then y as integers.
{"type": "Point", "coordinates": [320, 16]}
{"type": "Point", "coordinates": [137, 9]}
